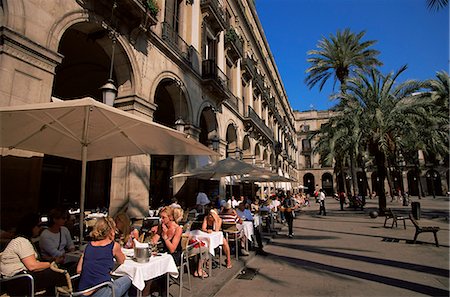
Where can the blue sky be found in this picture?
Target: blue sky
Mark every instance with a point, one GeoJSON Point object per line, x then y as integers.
{"type": "Point", "coordinates": [406, 30]}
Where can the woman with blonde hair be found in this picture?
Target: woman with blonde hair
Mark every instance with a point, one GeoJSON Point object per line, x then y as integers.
{"type": "Point", "coordinates": [97, 261]}
{"type": "Point", "coordinates": [125, 231]}
{"type": "Point", "coordinates": [169, 233]}
{"type": "Point", "coordinates": [213, 223]}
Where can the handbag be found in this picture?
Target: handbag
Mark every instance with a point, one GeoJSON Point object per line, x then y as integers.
{"type": "Point", "coordinates": [197, 243]}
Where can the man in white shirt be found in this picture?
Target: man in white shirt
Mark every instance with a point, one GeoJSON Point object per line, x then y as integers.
{"type": "Point", "coordinates": [246, 215]}
{"type": "Point", "coordinates": [234, 203]}
{"type": "Point", "coordinates": [202, 200]}
{"type": "Point", "coordinates": [322, 202]}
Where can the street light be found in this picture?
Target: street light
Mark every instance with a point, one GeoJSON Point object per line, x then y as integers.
{"type": "Point", "coordinates": [109, 89]}
{"type": "Point", "coordinates": [215, 143]}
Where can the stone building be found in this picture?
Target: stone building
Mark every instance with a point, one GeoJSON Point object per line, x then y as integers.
{"type": "Point", "coordinates": [201, 66]}
{"type": "Point", "coordinates": [433, 179]}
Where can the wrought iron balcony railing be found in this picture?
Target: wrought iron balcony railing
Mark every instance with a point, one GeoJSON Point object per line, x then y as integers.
{"type": "Point", "coordinates": [171, 37]}
{"type": "Point", "coordinates": [259, 123]}
{"type": "Point", "coordinates": [215, 14]}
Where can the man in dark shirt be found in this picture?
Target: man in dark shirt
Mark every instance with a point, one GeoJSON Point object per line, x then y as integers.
{"type": "Point", "coordinates": [289, 206]}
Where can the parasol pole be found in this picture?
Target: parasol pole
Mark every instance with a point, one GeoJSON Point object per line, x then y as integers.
{"type": "Point", "coordinates": [84, 151]}
{"type": "Point", "coordinates": [82, 190]}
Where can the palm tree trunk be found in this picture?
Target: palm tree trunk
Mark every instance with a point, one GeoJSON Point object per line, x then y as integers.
{"type": "Point", "coordinates": [389, 179]}
{"type": "Point", "coordinates": [354, 176]}
{"type": "Point", "coordinates": [381, 169]}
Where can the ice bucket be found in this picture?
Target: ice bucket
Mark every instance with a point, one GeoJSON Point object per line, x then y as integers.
{"type": "Point", "coordinates": [142, 254]}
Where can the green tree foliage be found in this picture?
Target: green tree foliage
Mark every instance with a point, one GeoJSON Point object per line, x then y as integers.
{"type": "Point", "coordinates": [339, 57]}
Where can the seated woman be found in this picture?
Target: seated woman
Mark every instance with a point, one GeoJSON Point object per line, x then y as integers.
{"type": "Point", "coordinates": [125, 232]}
{"type": "Point", "coordinates": [169, 232]}
{"type": "Point", "coordinates": [56, 239]}
{"type": "Point", "coordinates": [212, 223]}
{"type": "Point", "coordinates": [20, 256]}
{"type": "Point", "coordinates": [97, 261]}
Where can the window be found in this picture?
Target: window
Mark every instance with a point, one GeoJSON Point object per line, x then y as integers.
{"type": "Point", "coordinates": [307, 161]}
{"type": "Point", "coordinates": [306, 144]}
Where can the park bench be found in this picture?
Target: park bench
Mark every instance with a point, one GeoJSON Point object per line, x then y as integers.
{"type": "Point", "coordinates": [389, 214]}
{"type": "Point", "coordinates": [420, 229]}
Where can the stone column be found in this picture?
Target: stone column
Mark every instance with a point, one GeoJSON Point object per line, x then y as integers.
{"type": "Point", "coordinates": [221, 52]}
{"type": "Point", "coordinates": [130, 178]}
{"type": "Point", "coordinates": [195, 25]}
{"type": "Point", "coordinates": [237, 78]}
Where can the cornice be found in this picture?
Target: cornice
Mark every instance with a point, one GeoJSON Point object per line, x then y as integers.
{"type": "Point", "coordinates": [20, 47]}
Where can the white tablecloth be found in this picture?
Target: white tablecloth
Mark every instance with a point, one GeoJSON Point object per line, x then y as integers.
{"type": "Point", "coordinates": [96, 215]}
{"type": "Point", "coordinates": [257, 220]}
{"type": "Point", "coordinates": [214, 239]}
{"type": "Point", "coordinates": [247, 227]}
{"type": "Point", "coordinates": [140, 272]}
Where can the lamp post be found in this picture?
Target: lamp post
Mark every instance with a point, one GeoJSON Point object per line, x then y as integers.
{"type": "Point", "coordinates": [109, 90]}
{"type": "Point", "coordinates": [215, 143]}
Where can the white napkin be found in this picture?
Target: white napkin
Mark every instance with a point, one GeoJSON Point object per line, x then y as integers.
{"type": "Point", "coordinates": [140, 244]}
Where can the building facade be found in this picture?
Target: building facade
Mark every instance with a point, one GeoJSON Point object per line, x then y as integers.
{"type": "Point", "coordinates": [431, 180]}
{"type": "Point", "coordinates": [201, 66]}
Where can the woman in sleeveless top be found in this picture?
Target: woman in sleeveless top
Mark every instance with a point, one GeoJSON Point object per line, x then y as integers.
{"type": "Point", "coordinates": [97, 261]}
{"type": "Point", "coordinates": [213, 223]}
{"type": "Point", "coordinates": [169, 233]}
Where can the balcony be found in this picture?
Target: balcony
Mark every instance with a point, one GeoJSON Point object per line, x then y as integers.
{"type": "Point", "coordinates": [213, 14]}
{"type": "Point", "coordinates": [214, 79]}
{"type": "Point", "coordinates": [172, 39]}
{"type": "Point", "coordinates": [253, 120]}
{"type": "Point", "coordinates": [248, 67]}
{"type": "Point", "coordinates": [258, 82]}
{"type": "Point", "coordinates": [141, 11]}
{"type": "Point", "coordinates": [233, 44]}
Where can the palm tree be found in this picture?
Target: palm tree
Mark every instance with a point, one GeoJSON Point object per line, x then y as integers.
{"type": "Point", "coordinates": [340, 57]}
{"type": "Point", "coordinates": [385, 110]}
{"type": "Point", "coordinates": [339, 140]}
{"type": "Point", "coordinates": [437, 4]}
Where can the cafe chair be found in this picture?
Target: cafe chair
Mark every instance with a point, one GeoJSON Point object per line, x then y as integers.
{"type": "Point", "coordinates": [68, 291]}
{"type": "Point", "coordinates": [233, 234]}
{"type": "Point", "coordinates": [188, 251]}
{"type": "Point", "coordinates": [28, 277]}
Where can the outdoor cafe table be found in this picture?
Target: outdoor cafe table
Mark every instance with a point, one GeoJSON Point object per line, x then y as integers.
{"type": "Point", "coordinates": [140, 272]}
{"type": "Point", "coordinates": [214, 239]}
{"type": "Point", "coordinates": [247, 228]}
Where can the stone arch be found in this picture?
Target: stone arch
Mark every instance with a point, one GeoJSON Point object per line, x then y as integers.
{"type": "Point", "coordinates": [434, 185]}
{"type": "Point", "coordinates": [231, 138]}
{"type": "Point", "coordinates": [87, 51]}
{"type": "Point", "coordinates": [208, 125]}
{"type": "Point", "coordinates": [413, 182]}
{"type": "Point", "coordinates": [362, 183]}
{"type": "Point", "coordinates": [171, 87]}
{"type": "Point", "coordinates": [257, 152]}
{"type": "Point", "coordinates": [125, 66]}
{"type": "Point", "coordinates": [309, 182]}
{"type": "Point", "coordinates": [327, 183]}
{"type": "Point", "coordinates": [14, 15]}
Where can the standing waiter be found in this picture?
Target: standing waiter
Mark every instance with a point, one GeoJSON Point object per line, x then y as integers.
{"type": "Point", "coordinates": [289, 205]}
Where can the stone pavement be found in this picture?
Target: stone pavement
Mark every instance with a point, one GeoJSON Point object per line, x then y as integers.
{"type": "Point", "coordinates": [345, 253]}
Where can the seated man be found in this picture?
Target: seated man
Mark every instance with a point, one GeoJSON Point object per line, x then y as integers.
{"type": "Point", "coordinates": [229, 216]}
{"type": "Point", "coordinates": [202, 201]}
{"type": "Point", "coordinates": [246, 215]}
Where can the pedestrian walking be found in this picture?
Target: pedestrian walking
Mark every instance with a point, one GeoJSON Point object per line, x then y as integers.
{"type": "Point", "coordinates": [289, 206]}
{"type": "Point", "coordinates": [342, 199]}
{"type": "Point", "coordinates": [322, 202]}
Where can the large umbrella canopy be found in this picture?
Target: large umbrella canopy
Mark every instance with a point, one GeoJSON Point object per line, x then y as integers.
{"type": "Point", "coordinates": [86, 130]}
{"type": "Point", "coordinates": [265, 177]}
{"type": "Point", "coordinates": [222, 168]}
